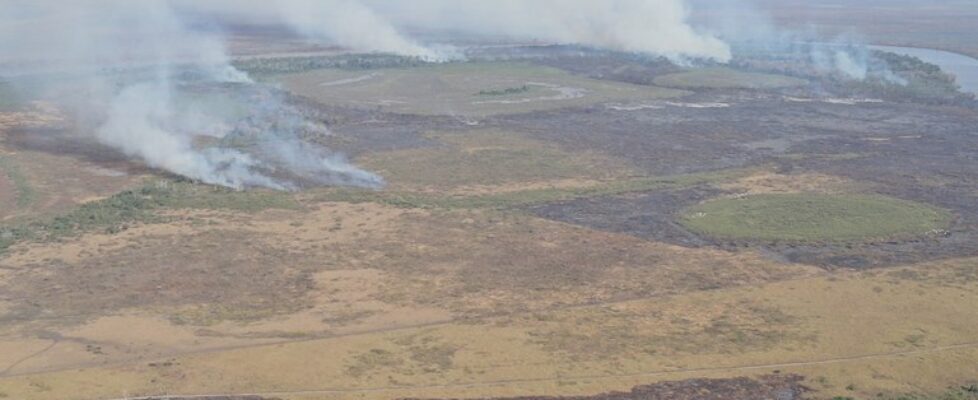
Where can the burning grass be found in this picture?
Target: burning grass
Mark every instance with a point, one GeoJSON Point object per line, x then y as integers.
{"type": "Point", "coordinates": [814, 218]}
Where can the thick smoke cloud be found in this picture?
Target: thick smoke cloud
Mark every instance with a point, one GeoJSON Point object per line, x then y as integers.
{"type": "Point", "coordinates": [646, 26]}
{"type": "Point", "coordinates": [129, 68]}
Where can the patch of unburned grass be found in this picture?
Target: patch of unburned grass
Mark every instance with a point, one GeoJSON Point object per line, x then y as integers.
{"type": "Point", "coordinates": [723, 78]}
{"type": "Point", "coordinates": [489, 158]}
{"type": "Point", "coordinates": [526, 197]}
{"type": "Point", "coordinates": [115, 213]}
{"type": "Point", "coordinates": [814, 218]}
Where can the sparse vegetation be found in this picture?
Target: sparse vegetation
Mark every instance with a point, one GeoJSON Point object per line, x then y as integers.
{"type": "Point", "coordinates": [211, 314]}
{"type": "Point", "coordinates": [371, 361]}
{"type": "Point", "coordinates": [813, 218]}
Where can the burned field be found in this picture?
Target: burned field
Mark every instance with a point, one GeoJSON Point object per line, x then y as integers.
{"type": "Point", "coordinates": [533, 240]}
{"type": "Point", "coordinates": [897, 150]}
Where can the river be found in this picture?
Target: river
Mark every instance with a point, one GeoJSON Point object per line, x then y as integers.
{"type": "Point", "coordinates": [961, 66]}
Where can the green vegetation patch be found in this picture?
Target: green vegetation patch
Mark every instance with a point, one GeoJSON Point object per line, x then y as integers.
{"type": "Point", "coordinates": [724, 78]}
{"type": "Point", "coordinates": [113, 214]}
{"type": "Point", "coordinates": [505, 92]}
{"type": "Point", "coordinates": [813, 218]}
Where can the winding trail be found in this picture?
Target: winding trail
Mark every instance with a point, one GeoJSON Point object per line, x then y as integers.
{"type": "Point", "coordinates": [28, 357]}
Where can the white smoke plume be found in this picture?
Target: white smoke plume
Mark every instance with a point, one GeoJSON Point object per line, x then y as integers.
{"type": "Point", "coordinates": [746, 26]}
{"type": "Point", "coordinates": [351, 24]}
{"type": "Point", "coordinates": [130, 67]}
{"type": "Point", "coordinates": [645, 26]}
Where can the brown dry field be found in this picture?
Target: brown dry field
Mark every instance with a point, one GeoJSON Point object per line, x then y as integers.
{"type": "Point", "coordinates": [370, 299]}
{"type": "Point", "coordinates": [342, 300]}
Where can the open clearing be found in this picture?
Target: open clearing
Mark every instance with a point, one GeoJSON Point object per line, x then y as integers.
{"type": "Point", "coordinates": [813, 218]}
{"type": "Point", "coordinates": [470, 89]}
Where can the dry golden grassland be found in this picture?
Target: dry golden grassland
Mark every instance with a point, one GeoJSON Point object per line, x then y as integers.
{"type": "Point", "coordinates": [902, 331]}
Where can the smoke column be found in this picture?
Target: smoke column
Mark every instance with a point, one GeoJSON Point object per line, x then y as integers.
{"type": "Point", "coordinates": [643, 26]}
{"type": "Point", "coordinates": [126, 67]}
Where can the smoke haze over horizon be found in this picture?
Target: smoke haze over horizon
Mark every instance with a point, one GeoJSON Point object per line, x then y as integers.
{"type": "Point", "coordinates": [152, 47]}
